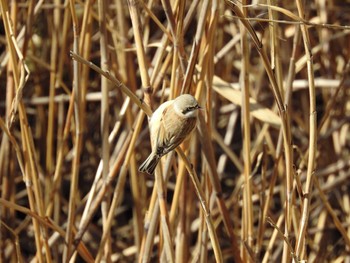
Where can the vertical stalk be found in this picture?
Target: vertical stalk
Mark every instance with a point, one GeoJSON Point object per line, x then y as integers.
{"type": "Point", "coordinates": [195, 47]}
{"type": "Point", "coordinates": [285, 121]}
{"type": "Point", "coordinates": [312, 135]}
{"type": "Point", "coordinates": [67, 252]}
{"type": "Point", "coordinates": [128, 75]}
{"type": "Point", "coordinates": [117, 196]}
{"type": "Point", "coordinates": [140, 51]}
{"type": "Point", "coordinates": [51, 113]}
{"type": "Point", "coordinates": [247, 217]}
{"type": "Point", "coordinates": [30, 176]}
{"type": "Point", "coordinates": [276, 66]}
{"type": "Point", "coordinates": [104, 110]}
{"type": "Point", "coordinates": [200, 194]}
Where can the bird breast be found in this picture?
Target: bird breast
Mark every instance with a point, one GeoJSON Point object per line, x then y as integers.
{"type": "Point", "coordinates": [171, 129]}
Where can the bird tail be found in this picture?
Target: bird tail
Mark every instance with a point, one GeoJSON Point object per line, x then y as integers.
{"type": "Point", "coordinates": [150, 164]}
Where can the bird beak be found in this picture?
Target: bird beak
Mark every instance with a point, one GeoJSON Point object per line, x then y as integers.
{"type": "Point", "coordinates": [200, 108]}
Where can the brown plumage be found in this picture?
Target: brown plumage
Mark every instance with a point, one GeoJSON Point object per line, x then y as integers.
{"type": "Point", "coordinates": [170, 124]}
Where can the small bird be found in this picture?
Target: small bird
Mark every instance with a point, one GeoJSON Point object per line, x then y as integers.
{"type": "Point", "coordinates": [169, 125]}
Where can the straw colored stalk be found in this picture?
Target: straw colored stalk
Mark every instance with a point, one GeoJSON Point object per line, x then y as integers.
{"type": "Point", "coordinates": [67, 252]}
{"type": "Point", "coordinates": [102, 9]}
{"type": "Point", "coordinates": [247, 218]}
{"type": "Point", "coordinates": [285, 122]}
{"type": "Point", "coordinates": [30, 176]}
{"type": "Point", "coordinates": [312, 136]}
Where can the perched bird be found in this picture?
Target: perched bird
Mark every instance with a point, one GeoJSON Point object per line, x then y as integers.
{"type": "Point", "coordinates": [169, 125]}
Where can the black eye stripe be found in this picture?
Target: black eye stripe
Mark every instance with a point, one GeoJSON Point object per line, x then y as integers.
{"type": "Point", "coordinates": [188, 109]}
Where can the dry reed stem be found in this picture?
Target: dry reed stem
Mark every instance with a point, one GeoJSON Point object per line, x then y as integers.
{"type": "Point", "coordinates": [247, 217]}
{"type": "Point", "coordinates": [312, 135]}
{"type": "Point", "coordinates": [67, 252]}
{"type": "Point", "coordinates": [140, 51]}
{"type": "Point", "coordinates": [199, 191]}
{"type": "Point", "coordinates": [217, 191]}
{"type": "Point", "coordinates": [30, 175]}
{"type": "Point", "coordinates": [119, 188]}
{"type": "Point", "coordinates": [102, 9]}
{"type": "Point", "coordinates": [285, 123]}
{"type": "Point", "coordinates": [100, 195]}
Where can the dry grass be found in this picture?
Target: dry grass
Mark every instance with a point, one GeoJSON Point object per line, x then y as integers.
{"type": "Point", "coordinates": [264, 178]}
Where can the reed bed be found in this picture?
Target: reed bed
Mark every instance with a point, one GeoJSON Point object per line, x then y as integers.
{"type": "Point", "coordinates": [265, 176]}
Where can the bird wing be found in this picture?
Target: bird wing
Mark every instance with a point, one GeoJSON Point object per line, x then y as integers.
{"type": "Point", "coordinates": [167, 139]}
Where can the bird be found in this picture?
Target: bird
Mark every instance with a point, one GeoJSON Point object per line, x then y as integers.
{"type": "Point", "coordinates": [169, 125]}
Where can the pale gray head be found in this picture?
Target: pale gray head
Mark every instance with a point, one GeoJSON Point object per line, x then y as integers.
{"type": "Point", "coordinates": [186, 105]}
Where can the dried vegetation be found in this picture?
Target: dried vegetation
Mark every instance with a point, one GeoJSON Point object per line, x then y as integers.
{"type": "Point", "coordinates": [265, 178]}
